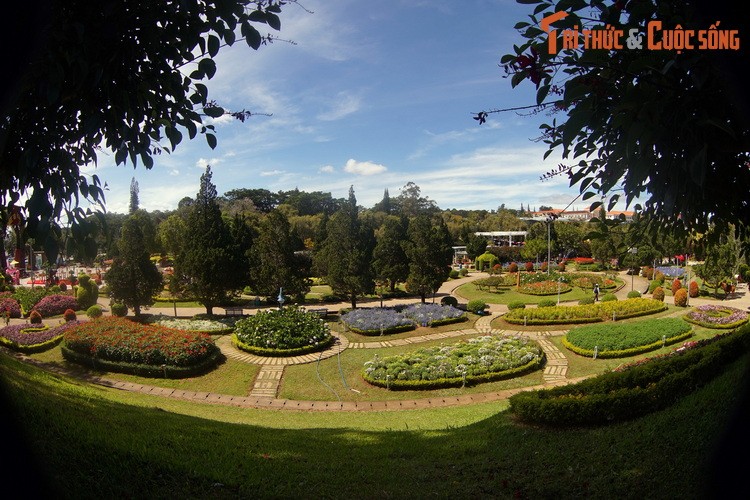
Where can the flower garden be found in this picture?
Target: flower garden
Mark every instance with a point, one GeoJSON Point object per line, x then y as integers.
{"type": "Point", "coordinates": [589, 313]}
{"type": "Point", "coordinates": [383, 321]}
{"type": "Point", "coordinates": [479, 359]}
{"type": "Point", "coordinates": [282, 332]}
{"type": "Point", "coordinates": [717, 316]}
{"type": "Point", "coordinates": [29, 338]}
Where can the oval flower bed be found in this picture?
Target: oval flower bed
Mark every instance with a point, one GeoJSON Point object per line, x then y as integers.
{"type": "Point", "coordinates": [121, 345]}
{"type": "Point", "coordinates": [282, 332]}
{"type": "Point", "coordinates": [714, 316]}
{"type": "Point", "coordinates": [544, 288]}
{"type": "Point", "coordinates": [626, 339]}
{"type": "Point", "coordinates": [33, 338]}
{"type": "Point", "coordinates": [376, 321]}
{"type": "Point", "coordinates": [211, 326]}
{"type": "Point", "coordinates": [588, 281]}
{"type": "Point", "coordinates": [481, 359]}
{"type": "Point", "coordinates": [433, 314]}
{"type": "Point", "coordinates": [590, 313]}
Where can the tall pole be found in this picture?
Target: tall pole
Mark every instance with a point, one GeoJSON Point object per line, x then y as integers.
{"type": "Point", "coordinates": [549, 247]}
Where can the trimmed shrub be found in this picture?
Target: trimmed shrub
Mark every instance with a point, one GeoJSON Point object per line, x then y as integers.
{"type": "Point", "coordinates": [658, 293]}
{"type": "Point", "coordinates": [119, 310]}
{"type": "Point", "coordinates": [94, 311]}
{"type": "Point", "coordinates": [561, 267]}
{"type": "Point", "coordinates": [453, 274]}
{"type": "Point", "coordinates": [69, 315]}
{"type": "Point", "coordinates": [476, 306]}
{"type": "Point", "coordinates": [586, 301]}
{"type": "Point", "coordinates": [87, 292]}
{"type": "Point", "coordinates": [634, 294]}
{"type": "Point", "coordinates": [35, 318]}
{"type": "Point", "coordinates": [449, 301]}
{"type": "Point", "coordinates": [513, 267]}
{"type": "Point", "coordinates": [529, 266]}
{"type": "Point", "coordinates": [609, 297]}
{"type": "Point", "coordinates": [517, 304]}
{"type": "Point", "coordinates": [463, 271]}
{"type": "Point", "coordinates": [547, 303]}
{"type": "Point", "coordinates": [676, 285]}
{"type": "Point", "coordinates": [680, 297]}
{"type": "Point", "coordinates": [693, 290]}
{"type": "Point", "coordinates": [63, 287]}
{"type": "Point", "coordinates": [52, 305]}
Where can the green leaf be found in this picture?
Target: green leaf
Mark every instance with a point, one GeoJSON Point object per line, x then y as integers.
{"type": "Point", "coordinates": [541, 94]}
{"type": "Point", "coordinates": [273, 21]}
{"type": "Point", "coordinates": [213, 45]}
{"type": "Point", "coordinates": [174, 136]}
{"type": "Point", "coordinates": [208, 67]}
{"type": "Point", "coordinates": [211, 140]}
{"type": "Point", "coordinates": [213, 111]}
{"type": "Point", "coordinates": [252, 36]}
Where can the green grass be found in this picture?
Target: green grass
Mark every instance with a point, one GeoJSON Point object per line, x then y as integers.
{"type": "Point", "coordinates": [92, 442]}
{"type": "Point", "coordinates": [505, 296]}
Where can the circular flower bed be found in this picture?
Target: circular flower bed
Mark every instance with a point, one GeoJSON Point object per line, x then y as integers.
{"type": "Point", "coordinates": [626, 339]}
{"type": "Point", "coordinates": [283, 332]}
{"type": "Point", "coordinates": [433, 314]}
{"type": "Point", "coordinates": [544, 288]}
{"type": "Point", "coordinates": [715, 316]}
{"type": "Point", "coordinates": [121, 345]}
{"type": "Point", "coordinates": [480, 359]}
{"type": "Point", "coordinates": [376, 321]}
{"type": "Point", "coordinates": [33, 338]}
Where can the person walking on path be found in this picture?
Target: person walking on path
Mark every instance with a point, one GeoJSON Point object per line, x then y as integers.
{"type": "Point", "coordinates": [596, 292]}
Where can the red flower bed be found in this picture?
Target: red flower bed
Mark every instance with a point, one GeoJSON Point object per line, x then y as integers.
{"type": "Point", "coordinates": [119, 339]}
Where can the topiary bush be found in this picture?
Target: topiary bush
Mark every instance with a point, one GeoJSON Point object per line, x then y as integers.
{"type": "Point", "coordinates": [658, 293]}
{"type": "Point", "coordinates": [517, 304]}
{"type": "Point", "coordinates": [94, 311]}
{"type": "Point", "coordinates": [693, 289]}
{"type": "Point", "coordinates": [547, 303]}
{"type": "Point", "coordinates": [476, 306]}
{"type": "Point", "coordinates": [681, 297]}
{"type": "Point", "coordinates": [513, 267]}
{"type": "Point", "coordinates": [35, 318]}
{"type": "Point", "coordinates": [453, 274]}
{"type": "Point", "coordinates": [449, 301]}
{"type": "Point", "coordinates": [676, 285]}
{"type": "Point", "coordinates": [118, 309]}
{"type": "Point", "coordinates": [87, 292]}
{"type": "Point", "coordinates": [69, 315]}
{"type": "Point", "coordinates": [634, 294]}
{"type": "Point", "coordinates": [561, 267]}
{"type": "Point", "coordinates": [463, 271]}
{"type": "Point", "coordinates": [609, 297]}
{"type": "Point", "coordinates": [11, 306]}
{"type": "Point", "coordinates": [529, 266]}
{"type": "Point", "coordinates": [586, 301]}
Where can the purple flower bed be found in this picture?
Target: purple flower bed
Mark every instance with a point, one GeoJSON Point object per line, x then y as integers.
{"type": "Point", "coordinates": [713, 316]}
{"type": "Point", "coordinates": [11, 306]}
{"type": "Point", "coordinates": [52, 305]}
{"type": "Point", "coordinates": [375, 320]}
{"type": "Point", "coordinates": [671, 271]}
{"type": "Point", "coordinates": [426, 314]}
{"type": "Point", "coordinates": [29, 335]}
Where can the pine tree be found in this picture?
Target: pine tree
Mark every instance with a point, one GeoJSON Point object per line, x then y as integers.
{"type": "Point", "coordinates": [390, 262]}
{"type": "Point", "coordinates": [209, 263]}
{"type": "Point", "coordinates": [346, 253]}
{"type": "Point", "coordinates": [134, 203]}
{"type": "Point", "coordinates": [430, 252]}
{"type": "Point", "coordinates": [133, 279]}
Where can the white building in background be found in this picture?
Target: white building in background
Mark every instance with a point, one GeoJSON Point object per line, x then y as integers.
{"type": "Point", "coordinates": [504, 238]}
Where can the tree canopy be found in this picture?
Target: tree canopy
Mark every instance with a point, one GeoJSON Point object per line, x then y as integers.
{"type": "Point", "coordinates": [125, 76]}
{"type": "Point", "coordinates": [667, 126]}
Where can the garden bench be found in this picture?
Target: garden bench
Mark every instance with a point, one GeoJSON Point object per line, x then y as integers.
{"type": "Point", "coordinates": [234, 311]}
{"type": "Point", "coordinates": [322, 312]}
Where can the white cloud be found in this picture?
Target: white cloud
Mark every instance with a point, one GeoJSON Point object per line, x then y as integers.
{"type": "Point", "coordinates": [363, 167]}
{"type": "Point", "coordinates": [174, 172]}
{"type": "Point", "coordinates": [271, 173]}
{"type": "Point", "coordinates": [328, 169]}
{"type": "Point", "coordinates": [343, 105]}
{"type": "Point", "coordinates": [204, 162]}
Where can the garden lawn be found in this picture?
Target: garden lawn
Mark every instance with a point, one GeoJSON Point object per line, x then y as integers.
{"type": "Point", "coordinates": [92, 442]}
{"type": "Point", "coordinates": [469, 291]}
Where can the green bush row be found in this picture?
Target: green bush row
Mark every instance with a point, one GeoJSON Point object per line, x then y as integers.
{"type": "Point", "coordinates": [621, 395]}
{"type": "Point", "coordinates": [384, 331]}
{"type": "Point", "coordinates": [442, 383]}
{"type": "Point", "coordinates": [144, 370]}
{"type": "Point", "coordinates": [280, 353]}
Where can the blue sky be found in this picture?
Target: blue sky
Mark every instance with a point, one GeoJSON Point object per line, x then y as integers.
{"type": "Point", "coordinates": [371, 95]}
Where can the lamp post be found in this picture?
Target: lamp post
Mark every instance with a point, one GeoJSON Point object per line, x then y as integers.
{"type": "Point", "coordinates": [559, 280]}
{"type": "Point", "coordinates": [632, 251]}
{"type": "Point", "coordinates": [550, 219]}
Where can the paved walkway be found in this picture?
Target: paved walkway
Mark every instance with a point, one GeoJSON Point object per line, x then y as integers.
{"type": "Point", "coordinates": [264, 392]}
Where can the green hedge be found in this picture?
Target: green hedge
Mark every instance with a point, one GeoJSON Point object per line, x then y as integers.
{"type": "Point", "coordinates": [638, 390]}
{"type": "Point", "coordinates": [384, 331]}
{"type": "Point", "coordinates": [280, 353]}
{"type": "Point", "coordinates": [408, 385]}
{"type": "Point", "coordinates": [143, 370]}
{"type": "Point", "coordinates": [600, 311]}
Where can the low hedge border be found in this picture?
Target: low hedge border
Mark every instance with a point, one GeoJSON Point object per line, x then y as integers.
{"type": "Point", "coordinates": [144, 370]}
{"type": "Point", "coordinates": [443, 383]}
{"type": "Point", "coordinates": [625, 352]}
{"type": "Point", "coordinates": [282, 353]}
{"type": "Point", "coordinates": [385, 331]}
{"type": "Point", "coordinates": [447, 321]}
{"type": "Point", "coordinates": [634, 392]}
{"type": "Point", "coordinates": [577, 321]}
{"type": "Point", "coordinates": [32, 348]}
{"type": "Point", "coordinates": [715, 326]}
